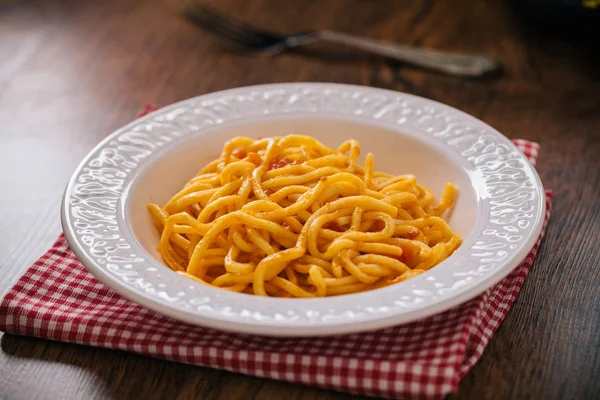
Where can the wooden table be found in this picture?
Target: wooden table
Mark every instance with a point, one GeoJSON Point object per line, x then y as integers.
{"type": "Point", "coordinates": [71, 72]}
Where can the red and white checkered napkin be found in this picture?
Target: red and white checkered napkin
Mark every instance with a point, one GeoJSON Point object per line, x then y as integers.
{"type": "Point", "coordinates": [58, 299]}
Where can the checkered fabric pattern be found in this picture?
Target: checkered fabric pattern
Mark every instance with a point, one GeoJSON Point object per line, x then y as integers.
{"type": "Point", "coordinates": [58, 299]}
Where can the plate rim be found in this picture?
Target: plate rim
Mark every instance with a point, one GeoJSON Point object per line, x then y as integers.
{"type": "Point", "coordinates": [282, 329]}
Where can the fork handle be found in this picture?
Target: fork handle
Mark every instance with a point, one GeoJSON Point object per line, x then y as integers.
{"type": "Point", "coordinates": [471, 65]}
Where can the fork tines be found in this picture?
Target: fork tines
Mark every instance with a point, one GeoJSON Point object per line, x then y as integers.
{"type": "Point", "coordinates": [226, 27]}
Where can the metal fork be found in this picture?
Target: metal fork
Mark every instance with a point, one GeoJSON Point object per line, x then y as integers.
{"type": "Point", "coordinates": [245, 38]}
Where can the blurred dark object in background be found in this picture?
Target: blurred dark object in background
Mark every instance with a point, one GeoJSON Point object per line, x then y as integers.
{"type": "Point", "coordinates": [575, 20]}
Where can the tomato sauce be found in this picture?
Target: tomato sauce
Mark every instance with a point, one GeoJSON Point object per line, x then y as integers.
{"type": "Point", "coordinates": [280, 162]}
{"type": "Point", "coordinates": [413, 233]}
{"type": "Point", "coordinates": [239, 152]}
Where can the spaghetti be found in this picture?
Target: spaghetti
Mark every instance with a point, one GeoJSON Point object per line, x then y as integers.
{"type": "Point", "coordinates": [290, 217]}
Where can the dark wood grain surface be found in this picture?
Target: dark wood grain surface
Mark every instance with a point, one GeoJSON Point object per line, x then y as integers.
{"type": "Point", "coordinates": [71, 72]}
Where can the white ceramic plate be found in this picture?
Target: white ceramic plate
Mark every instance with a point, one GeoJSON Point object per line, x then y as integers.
{"type": "Point", "coordinates": [499, 210]}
